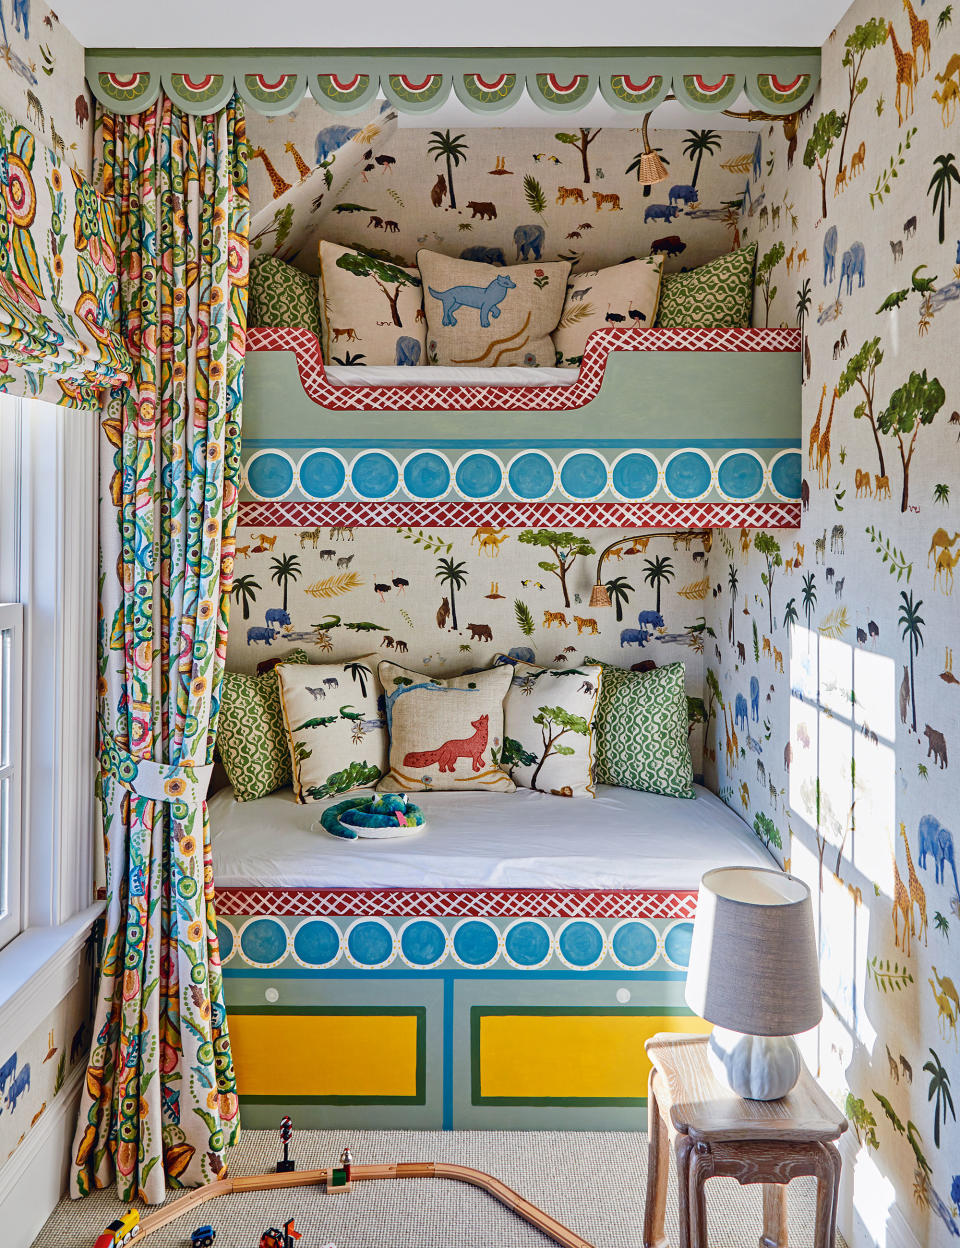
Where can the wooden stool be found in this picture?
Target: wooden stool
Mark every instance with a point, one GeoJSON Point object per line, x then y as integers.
{"type": "Point", "coordinates": [716, 1132]}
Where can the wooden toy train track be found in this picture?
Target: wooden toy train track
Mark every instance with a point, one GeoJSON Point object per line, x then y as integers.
{"type": "Point", "coordinates": [396, 1170]}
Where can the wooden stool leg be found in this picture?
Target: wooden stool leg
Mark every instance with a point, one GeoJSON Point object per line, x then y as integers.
{"type": "Point", "coordinates": [836, 1161]}
{"type": "Point", "coordinates": [701, 1168]}
{"type": "Point", "coordinates": [774, 1216]}
{"type": "Point", "coordinates": [658, 1171]}
{"type": "Point", "coordinates": [827, 1174]}
{"type": "Point", "coordinates": [683, 1147]}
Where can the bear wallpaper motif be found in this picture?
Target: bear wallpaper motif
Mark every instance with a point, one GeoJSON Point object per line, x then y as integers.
{"type": "Point", "coordinates": [832, 702]}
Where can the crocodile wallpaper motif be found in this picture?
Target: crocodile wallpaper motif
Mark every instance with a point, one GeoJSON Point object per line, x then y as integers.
{"type": "Point", "coordinates": [832, 706]}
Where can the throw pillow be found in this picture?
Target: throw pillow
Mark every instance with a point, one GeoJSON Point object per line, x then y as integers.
{"type": "Point", "coordinates": [625, 294]}
{"type": "Point", "coordinates": [372, 310]}
{"type": "Point", "coordinates": [642, 738]}
{"type": "Point", "coordinates": [282, 297]}
{"type": "Point", "coordinates": [335, 727]}
{"type": "Point", "coordinates": [548, 727]}
{"type": "Point", "coordinates": [251, 739]}
{"type": "Point", "coordinates": [445, 734]}
{"type": "Point", "coordinates": [718, 295]}
{"type": "Point", "coordinates": [483, 315]}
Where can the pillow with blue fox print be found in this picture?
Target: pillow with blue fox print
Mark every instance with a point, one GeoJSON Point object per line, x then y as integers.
{"type": "Point", "coordinates": [487, 316]}
{"type": "Point", "coordinates": [337, 733]}
{"type": "Point", "coordinates": [445, 734]}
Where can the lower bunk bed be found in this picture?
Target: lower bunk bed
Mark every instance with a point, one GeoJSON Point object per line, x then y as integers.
{"type": "Point", "coordinates": [502, 968]}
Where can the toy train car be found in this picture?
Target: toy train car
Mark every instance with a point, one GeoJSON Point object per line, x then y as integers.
{"type": "Point", "coordinates": [120, 1231]}
{"type": "Point", "coordinates": [203, 1237]}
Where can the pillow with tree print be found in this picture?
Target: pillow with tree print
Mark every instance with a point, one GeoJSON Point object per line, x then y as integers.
{"type": "Point", "coordinates": [251, 738]}
{"type": "Point", "coordinates": [717, 295]}
{"type": "Point", "coordinates": [548, 727]}
{"type": "Point", "coordinates": [445, 734]}
{"type": "Point", "coordinates": [643, 731]}
{"type": "Point", "coordinates": [371, 309]}
{"type": "Point", "coordinates": [337, 734]}
{"type": "Point", "coordinates": [485, 316]}
{"type": "Point", "coordinates": [623, 296]}
{"type": "Point", "coordinates": [282, 297]}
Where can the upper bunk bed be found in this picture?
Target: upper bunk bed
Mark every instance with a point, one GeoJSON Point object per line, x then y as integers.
{"type": "Point", "coordinates": [657, 427]}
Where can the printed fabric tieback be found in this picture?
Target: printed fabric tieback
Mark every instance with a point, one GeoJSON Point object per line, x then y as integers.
{"type": "Point", "coordinates": [157, 782]}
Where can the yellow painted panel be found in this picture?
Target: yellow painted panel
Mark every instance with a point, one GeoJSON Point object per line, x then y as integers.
{"type": "Point", "coordinates": [325, 1054]}
{"type": "Point", "coordinates": [570, 1055]}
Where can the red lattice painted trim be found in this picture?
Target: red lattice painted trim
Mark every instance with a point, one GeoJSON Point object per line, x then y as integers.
{"type": "Point", "coordinates": [546, 903]}
{"type": "Point", "coordinates": [454, 514]}
{"type": "Point", "coordinates": [600, 345]}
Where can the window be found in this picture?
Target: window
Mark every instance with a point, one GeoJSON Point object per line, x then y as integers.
{"type": "Point", "coordinates": [11, 734]}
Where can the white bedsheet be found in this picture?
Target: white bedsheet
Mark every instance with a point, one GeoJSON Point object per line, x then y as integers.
{"type": "Point", "coordinates": [443, 375]}
{"type": "Point", "coordinates": [620, 839]}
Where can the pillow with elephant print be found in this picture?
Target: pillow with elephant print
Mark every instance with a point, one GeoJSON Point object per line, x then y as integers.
{"type": "Point", "coordinates": [444, 734]}
{"type": "Point", "coordinates": [336, 730]}
{"type": "Point", "coordinates": [486, 316]}
{"type": "Point", "coordinates": [548, 727]}
{"type": "Point", "coordinates": [371, 310]}
{"type": "Point", "coordinates": [624, 295]}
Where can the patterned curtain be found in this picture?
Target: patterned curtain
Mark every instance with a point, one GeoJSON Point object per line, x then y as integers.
{"type": "Point", "coordinates": [58, 278]}
{"type": "Point", "coordinates": [160, 1106]}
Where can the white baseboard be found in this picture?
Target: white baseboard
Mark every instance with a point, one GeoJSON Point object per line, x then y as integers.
{"type": "Point", "coordinates": [35, 1177]}
{"type": "Point", "coordinates": [897, 1230]}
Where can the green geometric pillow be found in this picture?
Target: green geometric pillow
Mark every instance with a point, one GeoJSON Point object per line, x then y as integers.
{"type": "Point", "coordinates": [641, 730]}
{"type": "Point", "coordinates": [251, 738]}
{"type": "Point", "coordinates": [282, 296]}
{"type": "Point", "coordinates": [718, 295]}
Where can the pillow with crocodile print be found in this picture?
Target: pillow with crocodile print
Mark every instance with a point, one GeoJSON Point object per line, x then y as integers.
{"type": "Point", "coordinates": [282, 297]}
{"type": "Point", "coordinates": [445, 734]}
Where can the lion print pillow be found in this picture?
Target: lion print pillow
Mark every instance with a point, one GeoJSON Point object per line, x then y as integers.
{"type": "Point", "coordinates": [444, 734]}
{"type": "Point", "coordinates": [371, 310]}
{"type": "Point", "coordinates": [484, 316]}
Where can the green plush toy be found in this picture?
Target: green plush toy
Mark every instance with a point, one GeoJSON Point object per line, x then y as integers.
{"type": "Point", "coordinates": [378, 816]}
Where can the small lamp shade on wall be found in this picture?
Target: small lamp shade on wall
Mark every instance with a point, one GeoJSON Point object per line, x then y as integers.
{"type": "Point", "coordinates": [754, 973]}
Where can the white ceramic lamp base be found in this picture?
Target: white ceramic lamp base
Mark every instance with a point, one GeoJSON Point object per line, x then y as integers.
{"type": "Point", "coordinates": [760, 1068]}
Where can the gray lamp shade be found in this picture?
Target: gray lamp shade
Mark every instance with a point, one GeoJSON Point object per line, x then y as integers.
{"type": "Point", "coordinates": [753, 959]}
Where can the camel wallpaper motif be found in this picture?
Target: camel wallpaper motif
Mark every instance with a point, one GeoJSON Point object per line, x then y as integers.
{"type": "Point", "coordinates": [841, 752]}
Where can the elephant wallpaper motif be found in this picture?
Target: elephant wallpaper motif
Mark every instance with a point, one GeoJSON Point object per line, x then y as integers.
{"type": "Point", "coordinates": [492, 194]}
{"type": "Point", "coordinates": [836, 642]}
{"type": "Point", "coordinates": [42, 80]}
{"type": "Point", "coordinates": [449, 600]}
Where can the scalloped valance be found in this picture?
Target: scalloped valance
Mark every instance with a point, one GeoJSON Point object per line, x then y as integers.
{"type": "Point", "coordinates": [487, 81]}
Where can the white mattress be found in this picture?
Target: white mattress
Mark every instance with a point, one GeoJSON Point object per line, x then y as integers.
{"type": "Point", "coordinates": [440, 375]}
{"type": "Point", "coordinates": [620, 839]}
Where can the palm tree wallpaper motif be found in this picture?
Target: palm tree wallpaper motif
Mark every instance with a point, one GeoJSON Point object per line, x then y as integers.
{"type": "Point", "coordinates": [245, 591]}
{"type": "Point", "coordinates": [453, 575]}
{"type": "Point", "coordinates": [284, 569]}
{"type": "Point", "coordinates": [911, 630]}
{"type": "Point", "coordinates": [699, 144]}
{"type": "Point", "coordinates": [945, 173]}
{"type": "Point", "coordinates": [809, 596]}
{"type": "Point", "coordinates": [658, 572]}
{"type": "Point", "coordinates": [939, 1092]}
{"type": "Point", "coordinates": [452, 150]}
{"type": "Point", "coordinates": [733, 584]}
{"type": "Point", "coordinates": [619, 590]}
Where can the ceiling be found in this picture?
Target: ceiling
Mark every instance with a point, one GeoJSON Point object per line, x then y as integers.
{"type": "Point", "coordinates": [452, 23]}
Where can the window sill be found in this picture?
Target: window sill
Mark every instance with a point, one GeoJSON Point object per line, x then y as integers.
{"type": "Point", "coordinates": [37, 970]}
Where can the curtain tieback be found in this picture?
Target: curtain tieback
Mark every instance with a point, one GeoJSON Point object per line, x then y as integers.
{"type": "Point", "coordinates": [157, 782]}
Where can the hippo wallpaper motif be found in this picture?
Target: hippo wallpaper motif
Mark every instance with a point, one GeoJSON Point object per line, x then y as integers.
{"type": "Point", "coordinates": [833, 706]}
{"type": "Point", "coordinates": [492, 194]}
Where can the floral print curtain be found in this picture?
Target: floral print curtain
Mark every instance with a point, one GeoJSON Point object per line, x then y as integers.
{"type": "Point", "coordinates": [58, 278]}
{"type": "Point", "coordinates": [160, 1105]}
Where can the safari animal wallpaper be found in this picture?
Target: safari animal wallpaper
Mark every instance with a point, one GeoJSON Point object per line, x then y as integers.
{"type": "Point", "coordinates": [492, 194]}
{"type": "Point", "coordinates": [831, 698]}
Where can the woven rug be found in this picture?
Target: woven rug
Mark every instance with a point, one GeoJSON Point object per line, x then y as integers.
{"type": "Point", "coordinates": [594, 1182]}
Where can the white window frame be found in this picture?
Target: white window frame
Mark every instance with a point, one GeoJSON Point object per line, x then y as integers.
{"type": "Point", "coordinates": [48, 564]}
{"type": "Point", "coordinates": [11, 771]}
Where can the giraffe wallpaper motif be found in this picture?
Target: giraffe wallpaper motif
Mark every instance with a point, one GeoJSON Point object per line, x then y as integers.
{"type": "Point", "coordinates": [837, 640]}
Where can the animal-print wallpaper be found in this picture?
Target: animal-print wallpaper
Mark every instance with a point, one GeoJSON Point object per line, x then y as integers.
{"type": "Point", "coordinates": [492, 194]}
{"type": "Point", "coordinates": [42, 81]}
{"type": "Point", "coordinates": [832, 704]}
{"type": "Point", "coordinates": [449, 600]}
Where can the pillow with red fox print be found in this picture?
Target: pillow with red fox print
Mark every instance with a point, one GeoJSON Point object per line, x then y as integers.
{"type": "Point", "coordinates": [444, 734]}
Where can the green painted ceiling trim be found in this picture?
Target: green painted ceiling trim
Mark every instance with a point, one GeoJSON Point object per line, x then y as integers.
{"type": "Point", "coordinates": [487, 80]}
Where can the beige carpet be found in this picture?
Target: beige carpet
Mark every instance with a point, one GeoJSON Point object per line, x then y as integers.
{"type": "Point", "coordinates": [594, 1182]}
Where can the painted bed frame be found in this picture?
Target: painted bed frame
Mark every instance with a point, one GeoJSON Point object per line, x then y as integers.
{"type": "Point", "coordinates": [451, 1008]}
{"type": "Point", "coordinates": [663, 427]}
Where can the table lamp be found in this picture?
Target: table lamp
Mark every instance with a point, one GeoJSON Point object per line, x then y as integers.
{"type": "Point", "coordinates": [754, 974]}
